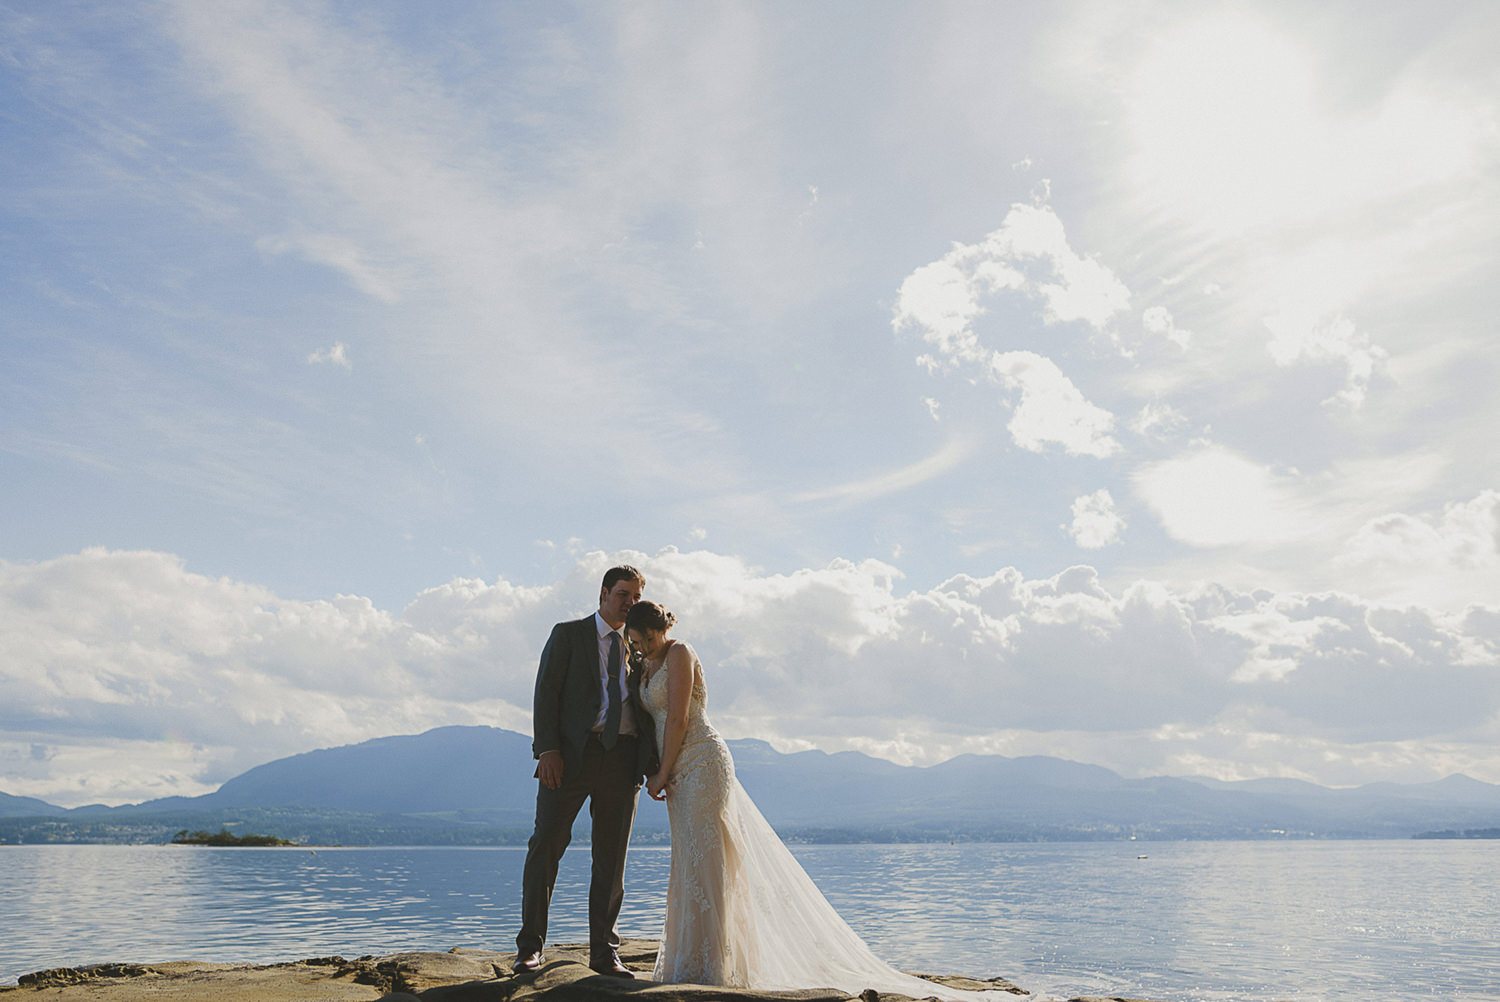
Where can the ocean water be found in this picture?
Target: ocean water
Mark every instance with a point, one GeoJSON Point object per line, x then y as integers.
{"type": "Point", "coordinates": [1190, 922]}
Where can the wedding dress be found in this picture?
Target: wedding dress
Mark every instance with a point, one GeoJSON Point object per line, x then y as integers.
{"type": "Point", "coordinates": [741, 911]}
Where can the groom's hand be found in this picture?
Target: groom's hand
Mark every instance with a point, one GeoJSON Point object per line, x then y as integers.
{"type": "Point", "coordinates": [549, 769]}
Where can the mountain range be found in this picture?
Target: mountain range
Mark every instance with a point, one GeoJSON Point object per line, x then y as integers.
{"type": "Point", "coordinates": [475, 784]}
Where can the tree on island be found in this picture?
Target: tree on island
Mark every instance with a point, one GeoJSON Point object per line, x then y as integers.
{"type": "Point", "coordinates": [225, 837]}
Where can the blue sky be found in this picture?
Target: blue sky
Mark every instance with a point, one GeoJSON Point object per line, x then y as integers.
{"type": "Point", "coordinates": [1063, 379]}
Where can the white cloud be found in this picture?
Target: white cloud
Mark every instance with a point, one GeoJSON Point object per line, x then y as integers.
{"type": "Point", "coordinates": [337, 355]}
{"type": "Point", "coordinates": [340, 254]}
{"type": "Point", "coordinates": [128, 676]}
{"type": "Point", "coordinates": [1031, 242]}
{"type": "Point", "coordinates": [132, 649]}
{"type": "Point", "coordinates": [942, 300]}
{"type": "Point", "coordinates": [1158, 420]}
{"type": "Point", "coordinates": [379, 169]}
{"type": "Point", "coordinates": [1029, 254]}
{"type": "Point", "coordinates": [1453, 556]}
{"type": "Point", "coordinates": [1346, 226]}
{"type": "Point", "coordinates": [952, 453]}
{"type": "Point", "coordinates": [1051, 410]}
{"type": "Point", "coordinates": [1212, 496]}
{"type": "Point", "coordinates": [501, 237]}
{"type": "Point", "coordinates": [1095, 524]}
{"type": "Point", "coordinates": [1158, 321]}
{"type": "Point", "coordinates": [1233, 131]}
{"type": "Point", "coordinates": [1367, 528]}
{"type": "Point", "coordinates": [1300, 339]}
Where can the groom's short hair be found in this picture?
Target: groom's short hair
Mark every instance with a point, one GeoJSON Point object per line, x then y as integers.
{"type": "Point", "coordinates": [624, 572]}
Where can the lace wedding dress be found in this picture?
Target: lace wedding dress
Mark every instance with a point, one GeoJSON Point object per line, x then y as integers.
{"type": "Point", "coordinates": [741, 911]}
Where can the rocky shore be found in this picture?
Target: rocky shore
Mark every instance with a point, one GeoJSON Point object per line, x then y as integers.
{"type": "Point", "coordinates": [461, 975]}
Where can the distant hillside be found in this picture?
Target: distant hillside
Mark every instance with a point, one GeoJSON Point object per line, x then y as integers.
{"type": "Point", "coordinates": [22, 807]}
{"type": "Point", "coordinates": [474, 785]}
{"type": "Point", "coordinates": [472, 769]}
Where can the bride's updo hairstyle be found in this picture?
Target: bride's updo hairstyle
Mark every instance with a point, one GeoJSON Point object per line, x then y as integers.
{"type": "Point", "coordinates": [649, 616]}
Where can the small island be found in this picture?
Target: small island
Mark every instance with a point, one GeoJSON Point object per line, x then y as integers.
{"type": "Point", "coordinates": [225, 837]}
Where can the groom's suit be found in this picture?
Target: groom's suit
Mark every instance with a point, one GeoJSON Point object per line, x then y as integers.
{"type": "Point", "coordinates": [567, 704]}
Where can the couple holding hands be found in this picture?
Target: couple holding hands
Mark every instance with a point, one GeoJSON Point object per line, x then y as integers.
{"type": "Point", "coordinates": [741, 912]}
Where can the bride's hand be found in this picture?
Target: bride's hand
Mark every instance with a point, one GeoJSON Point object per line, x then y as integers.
{"type": "Point", "coordinates": [656, 786]}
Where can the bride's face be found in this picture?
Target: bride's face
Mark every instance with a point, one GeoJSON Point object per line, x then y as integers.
{"type": "Point", "coordinates": [646, 643]}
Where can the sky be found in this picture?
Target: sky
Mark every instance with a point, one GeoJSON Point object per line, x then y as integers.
{"type": "Point", "coordinates": [1112, 382]}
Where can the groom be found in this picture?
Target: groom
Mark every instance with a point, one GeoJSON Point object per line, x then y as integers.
{"type": "Point", "coordinates": [592, 741]}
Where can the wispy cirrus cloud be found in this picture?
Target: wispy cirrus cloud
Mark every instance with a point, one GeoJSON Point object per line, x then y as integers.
{"type": "Point", "coordinates": [1451, 556]}
{"type": "Point", "coordinates": [1217, 100]}
{"type": "Point", "coordinates": [953, 452]}
{"type": "Point", "coordinates": [386, 179]}
{"type": "Point", "coordinates": [632, 279]}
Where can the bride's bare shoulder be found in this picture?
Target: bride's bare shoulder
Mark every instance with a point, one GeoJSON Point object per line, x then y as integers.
{"type": "Point", "coordinates": [681, 653]}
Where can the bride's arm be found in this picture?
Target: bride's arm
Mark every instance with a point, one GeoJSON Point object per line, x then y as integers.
{"type": "Point", "coordinates": [679, 669]}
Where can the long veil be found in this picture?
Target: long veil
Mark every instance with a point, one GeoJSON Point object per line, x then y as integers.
{"type": "Point", "coordinates": [780, 932]}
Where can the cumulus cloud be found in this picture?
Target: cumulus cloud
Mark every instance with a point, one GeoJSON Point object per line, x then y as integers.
{"type": "Point", "coordinates": [1368, 528]}
{"type": "Point", "coordinates": [942, 300]}
{"type": "Point", "coordinates": [192, 679]}
{"type": "Point", "coordinates": [1456, 551]}
{"type": "Point", "coordinates": [1298, 339]}
{"type": "Point", "coordinates": [337, 355]}
{"type": "Point", "coordinates": [1050, 409]}
{"type": "Point", "coordinates": [128, 676]}
{"type": "Point", "coordinates": [1031, 244]}
{"type": "Point", "coordinates": [1095, 524]}
{"type": "Point", "coordinates": [1158, 420]}
{"type": "Point", "coordinates": [1028, 255]}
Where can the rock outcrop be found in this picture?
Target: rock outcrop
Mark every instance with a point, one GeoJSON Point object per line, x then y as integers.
{"type": "Point", "coordinates": [460, 975]}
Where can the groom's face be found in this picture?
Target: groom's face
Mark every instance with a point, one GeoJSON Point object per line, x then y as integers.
{"type": "Point", "coordinates": [615, 601]}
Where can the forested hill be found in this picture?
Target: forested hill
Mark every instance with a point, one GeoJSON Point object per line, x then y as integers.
{"type": "Point", "coordinates": [475, 785]}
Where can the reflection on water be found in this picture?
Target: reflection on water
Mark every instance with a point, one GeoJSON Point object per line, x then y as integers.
{"type": "Point", "coordinates": [85, 904]}
{"type": "Point", "coordinates": [1193, 921]}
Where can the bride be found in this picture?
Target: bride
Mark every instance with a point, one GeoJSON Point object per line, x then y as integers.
{"type": "Point", "coordinates": [741, 912]}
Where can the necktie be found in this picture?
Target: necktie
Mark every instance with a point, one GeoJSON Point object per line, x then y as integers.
{"type": "Point", "coordinates": [616, 696]}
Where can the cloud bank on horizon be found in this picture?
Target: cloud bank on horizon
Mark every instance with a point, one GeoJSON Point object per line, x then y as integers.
{"type": "Point", "coordinates": [1125, 379]}
{"type": "Point", "coordinates": [149, 680]}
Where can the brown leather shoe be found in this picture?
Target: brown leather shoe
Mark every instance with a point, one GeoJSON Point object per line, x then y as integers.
{"type": "Point", "coordinates": [528, 963]}
{"type": "Point", "coordinates": [609, 964]}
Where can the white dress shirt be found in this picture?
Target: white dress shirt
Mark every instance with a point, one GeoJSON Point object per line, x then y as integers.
{"type": "Point", "coordinates": [627, 713]}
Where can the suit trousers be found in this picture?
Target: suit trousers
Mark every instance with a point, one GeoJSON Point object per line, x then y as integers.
{"type": "Point", "coordinates": [610, 781]}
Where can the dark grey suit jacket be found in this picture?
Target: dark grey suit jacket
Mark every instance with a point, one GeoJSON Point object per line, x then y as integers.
{"type": "Point", "coordinates": [567, 698]}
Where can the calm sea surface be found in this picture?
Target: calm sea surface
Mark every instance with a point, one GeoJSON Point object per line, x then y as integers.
{"type": "Point", "coordinates": [1192, 921]}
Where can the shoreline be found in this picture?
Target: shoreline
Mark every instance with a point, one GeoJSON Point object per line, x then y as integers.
{"type": "Point", "coordinates": [460, 975]}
